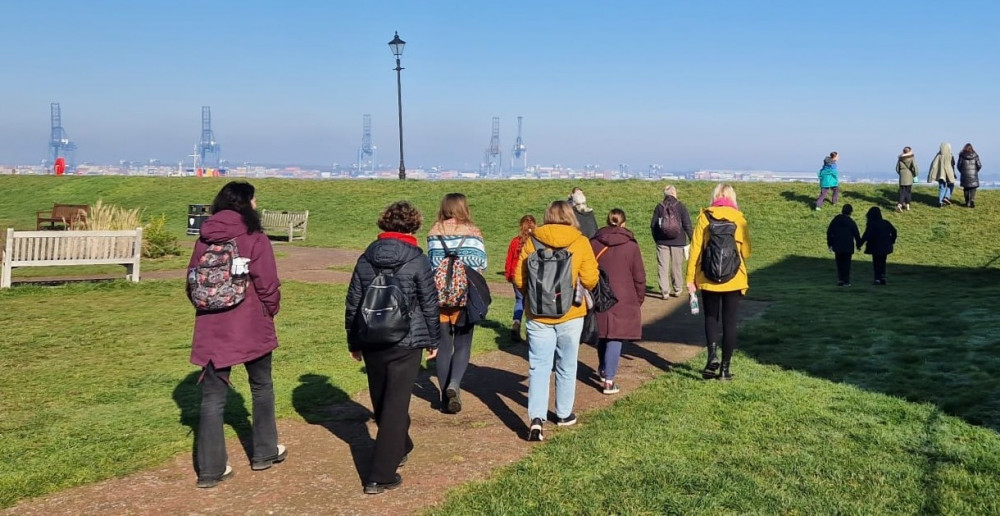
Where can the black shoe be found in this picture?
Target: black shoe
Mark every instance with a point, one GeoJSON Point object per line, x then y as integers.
{"type": "Point", "coordinates": [379, 487]}
{"type": "Point", "coordinates": [840, 283]}
{"type": "Point", "coordinates": [972, 204]}
{"type": "Point", "coordinates": [452, 400]}
{"type": "Point", "coordinates": [724, 373]}
{"type": "Point", "coordinates": [261, 465]}
{"type": "Point", "coordinates": [535, 432]}
{"type": "Point", "coordinates": [206, 483]}
{"type": "Point", "coordinates": [712, 365]}
{"type": "Point", "coordinates": [566, 421]}
{"type": "Point", "coordinates": [402, 461]}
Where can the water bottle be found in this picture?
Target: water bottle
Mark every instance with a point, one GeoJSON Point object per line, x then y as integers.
{"type": "Point", "coordinates": [693, 300]}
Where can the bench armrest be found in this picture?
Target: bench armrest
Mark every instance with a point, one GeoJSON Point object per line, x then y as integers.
{"type": "Point", "coordinates": [47, 214]}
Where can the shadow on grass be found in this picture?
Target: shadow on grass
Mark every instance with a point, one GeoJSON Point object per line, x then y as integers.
{"type": "Point", "coordinates": [929, 336]}
{"type": "Point", "coordinates": [796, 197]}
{"type": "Point", "coordinates": [187, 396]}
{"type": "Point", "coordinates": [319, 402]}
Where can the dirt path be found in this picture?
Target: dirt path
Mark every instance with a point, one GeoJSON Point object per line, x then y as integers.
{"type": "Point", "coordinates": [328, 459]}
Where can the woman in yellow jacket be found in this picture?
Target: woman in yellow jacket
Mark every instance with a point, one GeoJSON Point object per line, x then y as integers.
{"type": "Point", "coordinates": [720, 300]}
{"type": "Point", "coordinates": [555, 339]}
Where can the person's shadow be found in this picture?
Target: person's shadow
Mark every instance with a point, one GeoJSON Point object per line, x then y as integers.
{"type": "Point", "coordinates": [797, 197]}
{"type": "Point", "coordinates": [319, 402]}
{"type": "Point", "coordinates": [187, 396]}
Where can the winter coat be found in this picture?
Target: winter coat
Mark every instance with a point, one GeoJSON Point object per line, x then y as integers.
{"type": "Point", "coordinates": [969, 167]}
{"type": "Point", "coordinates": [682, 212]}
{"type": "Point", "coordinates": [584, 265]}
{"type": "Point", "coordinates": [513, 253]}
{"type": "Point", "coordinates": [416, 280]}
{"type": "Point", "coordinates": [627, 276]}
{"type": "Point", "coordinates": [828, 177]}
{"type": "Point", "coordinates": [906, 167]}
{"type": "Point", "coordinates": [246, 331]}
{"type": "Point", "coordinates": [585, 218]}
{"type": "Point", "coordinates": [701, 237]}
{"type": "Point", "coordinates": [879, 237]}
{"type": "Point", "coordinates": [943, 166]}
{"type": "Point", "coordinates": [842, 234]}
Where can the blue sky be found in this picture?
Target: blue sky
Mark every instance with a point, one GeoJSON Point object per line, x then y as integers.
{"type": "Point", "coordinates": [686, 84]}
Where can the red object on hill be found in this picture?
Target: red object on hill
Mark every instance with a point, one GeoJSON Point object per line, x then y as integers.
{"type": "Point", "coordinates": [60, 166]}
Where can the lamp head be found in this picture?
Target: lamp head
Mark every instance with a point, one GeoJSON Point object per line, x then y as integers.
{"type": "Point", "coordinates": [396, 45]}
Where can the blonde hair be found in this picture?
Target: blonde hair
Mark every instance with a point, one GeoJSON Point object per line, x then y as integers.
{"type": "Point", "coordinates": [561, 212]}
{"type": "Point", "coordinates": [616, 217]}
{"type": "Point", "coordinates": [669, 190]}
{"type": "Point", "coordinates": [724, 190]}
{"type": "Point", "coordinates": [454, 206]}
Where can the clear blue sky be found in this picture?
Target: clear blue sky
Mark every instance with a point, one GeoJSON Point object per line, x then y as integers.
{"type": "Point", "coordinates": [688, 84]}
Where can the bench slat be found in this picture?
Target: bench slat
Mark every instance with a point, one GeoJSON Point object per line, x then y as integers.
{"type": "Point", "coordinates": [48, 248]}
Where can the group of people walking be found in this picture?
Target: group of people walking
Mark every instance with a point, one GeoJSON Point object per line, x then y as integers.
{"type": "Point", "coordinates": [399, 306]}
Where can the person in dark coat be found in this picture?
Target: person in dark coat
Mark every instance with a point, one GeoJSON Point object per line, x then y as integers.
{"type": "Point", "coordinates": [880, 236]}
{"type": "Point", "coordinates": [670, 248]}
{"type": "Point", "coordinates": [618, 254]}
{"type": "Point", "coordinates": [842, 237]}
{"type": "Point", "coordinates": [243, 334]}
{"type": "Point", "coordinates": [584, 214]}
{"type": "Point", "coordinates": [969, 167]}
{"type": "Point", "coordinates": [392, 370]}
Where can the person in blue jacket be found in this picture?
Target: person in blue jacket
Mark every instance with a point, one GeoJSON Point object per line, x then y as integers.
{"type": "Point", "coordinates": [828, 180]}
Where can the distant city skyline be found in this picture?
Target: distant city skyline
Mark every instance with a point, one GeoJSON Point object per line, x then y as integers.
{"type": "Point", "coordinates": [706, 85]}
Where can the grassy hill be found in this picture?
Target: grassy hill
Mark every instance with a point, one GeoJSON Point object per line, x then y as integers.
{"type": "Point", "coordinates": [860, 400]}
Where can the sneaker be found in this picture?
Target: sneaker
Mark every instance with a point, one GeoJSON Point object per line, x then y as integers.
{"type": "Point", "coordinates": [381, 487]}
{"type": "Point", "coordinates": [907, 207]}
{"type": "Point", "coordinates": [675, 294]}
{"type": "Point", "coordinates": [610, 388]}
{"type": "Point", "coordinates": [817, 208]}
{"type": "Point", "coordinates": [206, 483]}
{"type": "Point", "coordinates": [453, 400]}
{"type": "Point", "coordinates": [261, 465]}
{"type": "Point", "coordinates": [664, 295]}
{"type": "Point", "coordinates": [535, 432]}
{"type": "Point", "coordinates": [947, 201]}
{"type": "Point", "coordinates": [601, 378]}
{"type": "Point", "coordinates": [899, 207]}
{"type": "Point", "coordinates": [566, 421]}
{"type": "Point", "coordinates": [840, 283]}
{"type": "Point", "coordinates": [847, 284]}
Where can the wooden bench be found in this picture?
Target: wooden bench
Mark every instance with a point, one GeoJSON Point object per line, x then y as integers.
{"type": "Point", "coordinates": [68, 215]}
{"type": "Point", "coordinates": [51, 248]}
{"type": "Point", "coordinates": [280, 222]}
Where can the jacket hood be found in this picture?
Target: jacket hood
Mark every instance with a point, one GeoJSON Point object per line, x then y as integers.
{"type": "Point", "coordinates": [223, 226]}
{"type": "Point", "coordinates": [557, 235]}
{"type": "Point", "coordinates": [614, 235]}
{"type": "Point", "coordinates": [945, 151]}
{"type": "Point", "coordinates": [726, 213]}
{"type": "Point", "coordinates": [968, 155]}
{"type": "Point", "coordinates": [390, 252]}
{"type": "Point", "coordinates": [828, 162]}
{"type": "Point", "coordinates": [908, 156]}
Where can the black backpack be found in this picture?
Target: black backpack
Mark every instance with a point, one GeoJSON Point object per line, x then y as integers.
{"type": "Point", "coordinates": [383, 317]}
{"type": "Point", "coordinates": [550, 289]}
{"type": "Point", "coordinates": [670, 221]}
{"type": "Point", "coordinates": [720, 259]}
{"type": "Point", "coordinates": [604, 297]}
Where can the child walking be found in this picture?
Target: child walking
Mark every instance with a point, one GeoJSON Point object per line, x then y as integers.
{"type": "Point", "coordinates": [906, 167]}
{"type": "Point", "coordinates": [880, 235]}
{"type": "Point", "coordinates": [526, 228]}
{"type": "Point", "coordinates": [828, 180]}
{"type": "Point", "coordinates": [841, 237]}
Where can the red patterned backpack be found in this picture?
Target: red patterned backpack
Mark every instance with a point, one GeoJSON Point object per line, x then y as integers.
{"type": "Point", "coordinates": [219, 280]}
{"type": "Point", "coordinates": [450, 278]}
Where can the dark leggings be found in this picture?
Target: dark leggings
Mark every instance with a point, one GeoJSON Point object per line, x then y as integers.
{"type": "Point", "coordinates": [970, 195]}
{"type": "Point", "coordinates": [724, 306]}
{"type": "Point", "coordinates": [905, 194]}
{"type": "Point", "coordinates": [453, 355]}
{"type": "Point", "coordinates": [878, 264]}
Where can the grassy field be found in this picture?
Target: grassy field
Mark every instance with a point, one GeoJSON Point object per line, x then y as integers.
{"type": "Point", "coordinates": [860, 400]}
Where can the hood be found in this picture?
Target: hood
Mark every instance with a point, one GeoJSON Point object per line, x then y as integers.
{"type": "Point", "coordinates": [669, 200]}
{"type": "Point", "coordinates": [828, 162]}
{"type": "Point", "coordinates": [557, 235]}
{"type": "Point", "coordinates": [390, 252]}
{"type": "Point", "coordinates": [945, 151]}
{"type": "Point", "coordinates": [726, 213]}
{"type": "Point", "coordinates": [968, 155]}
{"type": "Point", "coordinates": [614, 235]}
{"type": "Point", "coordinates": [223, 226]}
{"type": "Point", "coordinates": [908, 156]}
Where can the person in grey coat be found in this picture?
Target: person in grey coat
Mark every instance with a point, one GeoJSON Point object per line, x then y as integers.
{"type": "Point", "coordinates": [969, 167]}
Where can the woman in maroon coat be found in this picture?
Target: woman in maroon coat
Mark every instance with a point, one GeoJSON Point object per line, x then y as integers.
{"type": "Point", "coordinates": [618, 254]}
{"type": "Point", "coordinates": [243, 334]}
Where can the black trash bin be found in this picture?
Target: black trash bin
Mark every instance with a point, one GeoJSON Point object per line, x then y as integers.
{"type": "Point", "coordinates": [197, 214]}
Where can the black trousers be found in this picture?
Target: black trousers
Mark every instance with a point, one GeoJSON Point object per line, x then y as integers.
{"type": "Point", "coordinates": [970, 195]}
{"type": "Point", "coordinates": [454, 350]}
{"type": "Point", "coordinates": [391, 375]}
{"type": "Point", "coordinates": [722, 310]}
{"type": "Point", "coordinates": [878, 263]}
{"type": "Point", "coordinates": [843, 267]}
{"type": "Point", "coordinates": [905, 194]}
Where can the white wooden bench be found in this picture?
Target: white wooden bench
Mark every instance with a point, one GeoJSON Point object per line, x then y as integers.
{"type": "Point", "coordinates": [51, 248]}
{"type": "Point", "coordinates": [281, 222]}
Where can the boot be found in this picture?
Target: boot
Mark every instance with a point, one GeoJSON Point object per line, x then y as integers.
{"type": "Point", "coordinates": [724, 373]}
{"type": "Point", "coordinates": [713, 361]}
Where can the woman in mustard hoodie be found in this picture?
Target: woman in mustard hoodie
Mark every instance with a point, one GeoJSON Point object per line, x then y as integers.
{"type": "Point", "coordinates": [717, 267]}
{"type": "Point", "coordinates": [555, 339]}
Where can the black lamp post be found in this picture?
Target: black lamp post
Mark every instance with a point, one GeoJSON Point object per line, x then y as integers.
{"type": "Point", "coordinates": [396, 45]}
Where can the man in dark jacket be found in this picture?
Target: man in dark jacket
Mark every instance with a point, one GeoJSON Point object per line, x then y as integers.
{"type": "Point", "coordinates": [392, 368]}
{"type": "Point", "coordinates": [671, 227]}
{"type": "Point", "coordinates": [842, 237]}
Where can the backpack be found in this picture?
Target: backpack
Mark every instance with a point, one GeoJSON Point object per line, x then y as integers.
{"type": "Point", "coordinates": [720, 260]}
{"type": "Point", "coordinates": [479, 298]}
{"type": "Point", "coordinates": [550, 281]}
{"type": "Point", "coordinates": [670, 221]}
{"type": "Point", "coordinates": [451, 279]}
{"type": "Point", "coordinates": [383, 316]}
{"type": "Point", "coordinates": [604, 297]}
{"type": "Point", "coordinates": [219, 280]}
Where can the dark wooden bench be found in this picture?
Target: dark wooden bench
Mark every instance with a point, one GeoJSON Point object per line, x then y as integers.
{"type": "Point", "coordinates": [65, 215]}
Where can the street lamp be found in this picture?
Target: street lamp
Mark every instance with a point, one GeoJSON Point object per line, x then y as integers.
{"type": "Point", "coordinates": [396, 45]}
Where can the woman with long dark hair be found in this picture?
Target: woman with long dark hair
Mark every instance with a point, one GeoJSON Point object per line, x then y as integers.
{"type": "Point", "coordinates": [243, 334]}
{"type": "Point", "coordinates": [969, 167]}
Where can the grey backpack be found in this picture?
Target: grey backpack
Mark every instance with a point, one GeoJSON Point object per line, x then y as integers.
{"type": "Point", "coordinates": [550, 281]}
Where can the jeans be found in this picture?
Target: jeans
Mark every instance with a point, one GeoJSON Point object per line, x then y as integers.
{"type": "Point", "coordinates": [548, 343]}
{"type": "Point", "coordinates": [211, 454]}
{"type": "Point", "coordinates": [608, 354]}
{"type": "Point", "coordinates": [822, 195]}
{"type": "Point", "coordinates": [669, 261]}
{"type": "Point", "coordinates": [391, 375]}
{"type": "Point", "coordinates": [518, 305]}
{"type": "Point", "coordinates": [944, 190]}
{"type": "Point", "coordinates": [454, 351]}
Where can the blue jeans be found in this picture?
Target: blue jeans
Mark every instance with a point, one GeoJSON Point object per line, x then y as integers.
{"type": "Point", "coordinates": [944, 190]}
{"type": "Point", "coordinates": [548, 343]}
{"type": "Point", "coordinates": [608, 354]}
{"type": "Point", "coordinates": [518, 305]}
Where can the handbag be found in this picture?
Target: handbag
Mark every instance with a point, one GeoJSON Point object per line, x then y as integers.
{"type": "Point", "coordinates": [604, 297]}
{"type": "Point", "coordinates": [479, 298]}
{"type": "Point", "coordinates": [590, 333]}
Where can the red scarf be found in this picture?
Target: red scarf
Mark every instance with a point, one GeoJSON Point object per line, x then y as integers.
{"type": "Point", "coordinates": [405, 237]}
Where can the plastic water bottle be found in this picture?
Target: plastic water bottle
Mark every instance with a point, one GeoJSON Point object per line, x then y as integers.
{"type": "Point", "coordinates": [693, 300]}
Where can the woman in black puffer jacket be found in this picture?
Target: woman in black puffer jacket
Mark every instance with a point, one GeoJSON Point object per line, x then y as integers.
{"type": "Point", "coordinates": [392, 368]}
{"type": "Point", "coordinates": [969, 167]}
